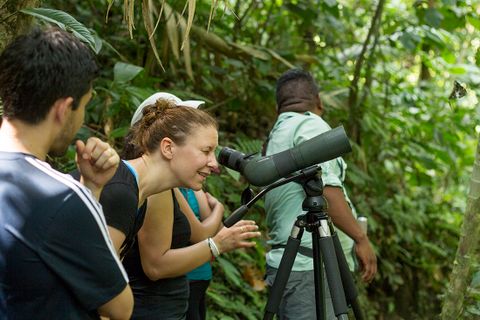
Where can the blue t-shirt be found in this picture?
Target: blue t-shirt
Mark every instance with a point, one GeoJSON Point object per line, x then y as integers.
{"type": "Point", "coordinates": [56, 257]}
{"type": "Point", "coordinates": [203, 272]}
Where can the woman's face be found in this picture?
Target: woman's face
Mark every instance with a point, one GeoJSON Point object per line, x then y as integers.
{"type": "Point", "coordinates": [195, 160]}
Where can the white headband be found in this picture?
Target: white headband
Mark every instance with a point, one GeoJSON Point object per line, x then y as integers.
{"type": "Point", "coordinates": [163, 95]}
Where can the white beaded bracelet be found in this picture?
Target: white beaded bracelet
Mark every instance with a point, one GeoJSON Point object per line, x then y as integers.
{"type": "Point", "coordinates": [213, 247]}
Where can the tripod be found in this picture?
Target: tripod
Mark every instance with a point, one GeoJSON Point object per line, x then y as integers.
{"type": "Point", "coordinates": [326, 248]}
{"type": "Point", "coordinates": [325, 245]}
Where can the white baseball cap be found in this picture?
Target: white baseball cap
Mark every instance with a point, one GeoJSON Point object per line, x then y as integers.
{"type": "Point", "coordinates": [167, 96]}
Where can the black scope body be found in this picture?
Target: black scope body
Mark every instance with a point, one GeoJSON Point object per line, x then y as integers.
{"type": "Point", "coordinates": [262, 171]}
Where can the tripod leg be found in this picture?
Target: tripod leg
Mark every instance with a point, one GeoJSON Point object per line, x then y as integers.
{"type": "Point", "coordinates": [319, 280]}
{"type": "Point", "coordinates": [334, 279]}
{"type": "Point", "coordinates": [351, 293]}
{"type": "Point", "coordinates": [283, 272]}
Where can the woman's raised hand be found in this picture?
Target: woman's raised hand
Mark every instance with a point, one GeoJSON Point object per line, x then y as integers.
{"type": "Point", "coordinates": [228, 239]}
{"type": "Point", "coordinates": [212, 201]}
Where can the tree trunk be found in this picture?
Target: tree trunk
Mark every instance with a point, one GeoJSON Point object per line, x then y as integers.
{"type": "Point", "coordinates": [470, 236]}
{"type": "Point", "coordinates": [13, 23]}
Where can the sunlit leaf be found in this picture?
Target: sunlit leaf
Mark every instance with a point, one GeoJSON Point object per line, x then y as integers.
{"type": "Point", "coordinates": [457, 70]}
{"type": "Point", "coordinates": [448, 56]}
{"type": "Point", "coordinates": [66, 22]}
{"type": "Point", "coordinates": [474, 21]}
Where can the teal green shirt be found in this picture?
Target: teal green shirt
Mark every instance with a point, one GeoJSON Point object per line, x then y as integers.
{"type": "Point", "coordinates": [284, 204]}
{"type": "Point", "coordinates": [203, 272]}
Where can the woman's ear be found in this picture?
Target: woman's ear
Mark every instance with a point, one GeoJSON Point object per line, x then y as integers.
{"type": "Point", "coordinates": [167, 148]}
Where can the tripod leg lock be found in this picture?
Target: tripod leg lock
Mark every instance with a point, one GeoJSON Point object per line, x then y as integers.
{"type": "Point", "coordinates": [324, 229]}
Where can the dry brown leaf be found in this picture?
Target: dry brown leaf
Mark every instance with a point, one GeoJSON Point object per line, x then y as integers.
{"type": "Point", "coordinates": [254, 277]}
{"type": "Point", "coordinates": [171, 30]}
{"type": "Point", "coordinates": [147, 20]}
{"type": "Point", "coordinates": [186, 51]}
{"type": "Point", "coordinates": [191, 14]}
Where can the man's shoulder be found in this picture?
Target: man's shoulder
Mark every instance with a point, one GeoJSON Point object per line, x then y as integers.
{"type": "Point", "coordinates": [30, 182]}
{"type": "Point", "coordinates": [29, 173]}
{"type": "Point", "coordinates": [297, 119]}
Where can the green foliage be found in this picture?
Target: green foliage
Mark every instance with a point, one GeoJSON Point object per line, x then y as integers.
{"type": "Point", "coordinates": [410, 164]}
{"type": "Point", "coordinates": [66, 22]}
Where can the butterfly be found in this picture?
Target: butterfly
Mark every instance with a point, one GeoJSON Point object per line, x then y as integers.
{"type": "Point", "coordinates": [458, 91]}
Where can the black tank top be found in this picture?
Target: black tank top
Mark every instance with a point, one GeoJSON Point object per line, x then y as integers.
{"type": "Point", "coordinates": [165, 298]}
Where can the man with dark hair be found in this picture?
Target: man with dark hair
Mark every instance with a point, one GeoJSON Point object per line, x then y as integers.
{"type": "Point", "coordinates": [299, 119]}
{"type": "Point", "coordinates": [56, 257]}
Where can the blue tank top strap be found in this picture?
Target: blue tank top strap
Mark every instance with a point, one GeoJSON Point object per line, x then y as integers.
{"type": "Point", "coordinates": [132, 170]}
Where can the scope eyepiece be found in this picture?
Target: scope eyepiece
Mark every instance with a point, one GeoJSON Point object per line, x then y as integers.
{"type": "Point", "coordinates": [231, 158]}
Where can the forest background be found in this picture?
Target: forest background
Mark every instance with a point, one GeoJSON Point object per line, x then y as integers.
{"type": "Point", "coordinates": [401, 76]}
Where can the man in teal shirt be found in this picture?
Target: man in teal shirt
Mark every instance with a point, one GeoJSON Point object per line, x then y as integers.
{"type": "Point", "coordinates": [300, 110]}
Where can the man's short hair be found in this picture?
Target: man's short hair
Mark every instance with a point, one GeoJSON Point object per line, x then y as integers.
{"type": "Point", "coordinates": [294, 87]}
{"type": "Point", "coordinates": [41, 67]}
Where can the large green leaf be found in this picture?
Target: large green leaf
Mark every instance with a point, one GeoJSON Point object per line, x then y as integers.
{"type": "Point", "coordinates": [410, 40]}
{"type": "Point", "coordinates": [433, 17]}
{"type": "Point", "coordinates": [124, 72]}
{"type": "Point", "coordinates": [66, 22]}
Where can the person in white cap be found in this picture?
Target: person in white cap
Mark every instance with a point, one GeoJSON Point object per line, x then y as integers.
{"type": "Point", "coordinates": [168, 146]}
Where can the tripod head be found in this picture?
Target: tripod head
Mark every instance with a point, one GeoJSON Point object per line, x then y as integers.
{"type": "Point", "coordinates": [312, 183]}
{"type": "Point", "coordinates": [309, 178]}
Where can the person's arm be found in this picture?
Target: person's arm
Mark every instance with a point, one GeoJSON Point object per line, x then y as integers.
{"type": "Point", "coordinates": [206, 204]}
{"type": "Point", "coordinates": [120, 307]}
{"type": "Point", "coordinates": [200, 230]}
{"type": "Point", "coordinates": [119, 204]}
{"type": "Point", "coordinates": [154, 238]}
{"type": "Point", "coordinates": [118, 237]}
{"type": "Point", "coordinates": [203, 206]}
{"type": "Point", "coordinates": [97, 163]}
{"type": "Point", "coordinates": [341, 215]}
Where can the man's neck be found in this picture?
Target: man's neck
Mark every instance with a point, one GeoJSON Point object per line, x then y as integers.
{"type": "Point", "coordinates": [17, 136]}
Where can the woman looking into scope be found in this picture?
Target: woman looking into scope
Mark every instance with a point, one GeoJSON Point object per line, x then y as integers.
{"type": "Point", "coordinates": [163, 253]}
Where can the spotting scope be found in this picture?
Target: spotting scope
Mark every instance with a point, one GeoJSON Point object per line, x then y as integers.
{"type": "Point", "coordinates": [262, 171]}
